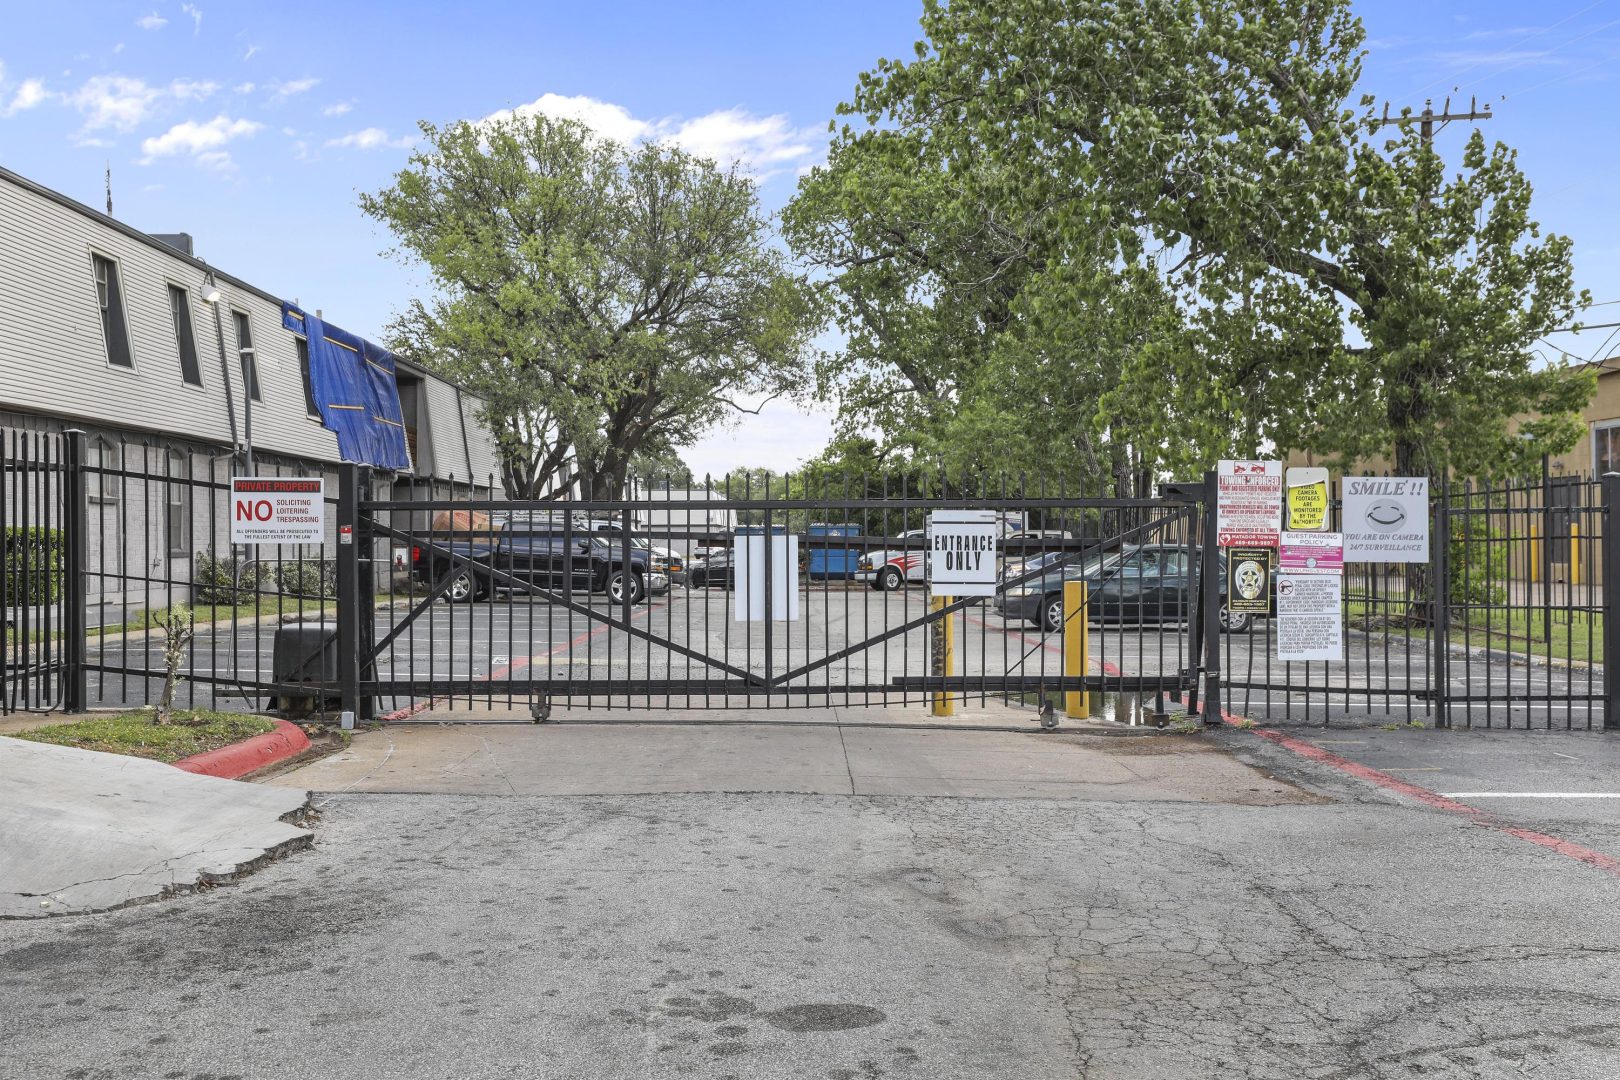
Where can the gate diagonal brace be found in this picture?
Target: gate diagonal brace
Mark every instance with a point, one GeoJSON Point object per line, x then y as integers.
{"type": "Point", "coordinates": [971, 601]}
{"type": "Point", "coordinates": [498, 576]}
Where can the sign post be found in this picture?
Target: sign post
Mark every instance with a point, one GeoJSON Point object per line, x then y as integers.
{"type": "Point", "coordinates": [278, 510]}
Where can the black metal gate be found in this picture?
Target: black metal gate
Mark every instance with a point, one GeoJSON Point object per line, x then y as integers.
{"type": "Point", "coordinates": [643, 602]}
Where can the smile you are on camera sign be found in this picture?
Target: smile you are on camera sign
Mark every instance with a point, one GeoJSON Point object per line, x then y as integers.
{"type": "Point", "coordinates": [1386, 519]}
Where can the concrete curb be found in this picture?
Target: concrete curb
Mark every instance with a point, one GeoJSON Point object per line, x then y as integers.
{"type": "Point", "coordinates": [250, 755]}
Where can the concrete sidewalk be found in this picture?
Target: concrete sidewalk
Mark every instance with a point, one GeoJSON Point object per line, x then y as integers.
{"type": "Point", "coordinates": [82, 831]}
{"type": "Point", "coordinates": [620, 759]}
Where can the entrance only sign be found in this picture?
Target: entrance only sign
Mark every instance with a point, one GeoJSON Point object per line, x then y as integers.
{"type": "Point", "coordinates": [964, 551]}
{"type": "Point", "coordinates": [278, 510]}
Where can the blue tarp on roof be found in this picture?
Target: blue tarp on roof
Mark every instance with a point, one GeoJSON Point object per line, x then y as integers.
{"type": "Point", "coordinates": [355, 389]}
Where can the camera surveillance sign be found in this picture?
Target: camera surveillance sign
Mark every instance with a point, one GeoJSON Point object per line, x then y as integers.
{"type": "Point", "coordinates": [1386, 519]}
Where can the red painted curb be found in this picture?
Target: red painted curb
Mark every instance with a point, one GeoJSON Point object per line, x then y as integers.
{"type": "Point", "coordinates": [249, 755]}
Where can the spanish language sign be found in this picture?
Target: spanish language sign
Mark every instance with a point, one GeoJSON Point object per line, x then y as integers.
{"type": "Point", "coordinates": [963, 550]}
{"type": "Point", "coordinates": [1248, 504]}
{"type": "Point", "coordinates": [1248, 581]}
{"type": "Point", "coordinates": [1386, 519]}
{"type": "Point", "coordinates": [277, 510]}
{"type": "Point", "coordinates": [1311, 553]}
{"type": "Point", "coordinates": [1307, 498]}
{"type": "Point", "coordinates": [1310, 622]}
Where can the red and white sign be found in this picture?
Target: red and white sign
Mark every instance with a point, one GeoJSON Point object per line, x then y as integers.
{"type": "Point", "coordinates": [1248, 504]}
{"type": "Point", "coordinates": [277, 510]}
{"type": "Point", "coordinates": [1311, 553]}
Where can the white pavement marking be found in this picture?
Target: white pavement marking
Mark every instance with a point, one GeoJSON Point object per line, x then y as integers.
{"type": "Point", "coordinates": [1531, 794]}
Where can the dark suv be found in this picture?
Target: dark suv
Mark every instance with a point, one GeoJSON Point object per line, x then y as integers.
{"type": "Point", "coordinates": [1141, 583]}
{"type": "Point", "coordinates": [537, 554]}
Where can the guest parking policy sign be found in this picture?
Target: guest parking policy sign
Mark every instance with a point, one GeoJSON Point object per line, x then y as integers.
{"type": "Point", "coordinates": [277, 510]}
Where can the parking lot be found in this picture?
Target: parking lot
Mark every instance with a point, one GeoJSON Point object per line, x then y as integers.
{"type": "Point", "coordinates": [499, 651]}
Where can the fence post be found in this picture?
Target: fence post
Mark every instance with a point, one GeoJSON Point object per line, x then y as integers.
{"type": "Point", "coordinates": [1209, 601]}
{"type": "Point", "coordinates": [349, 608]}
{"type": "Point", "coordinates": [76, 523]}
{"type": "Point", "coordinates": [1611, 602]}
{"type": "Point", "coordinates": [1440, 604]}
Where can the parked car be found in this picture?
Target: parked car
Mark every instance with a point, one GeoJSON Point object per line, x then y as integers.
{"type": "Point", "coordinates": [541, 554]}
{"type": "Point", "coordinates": [664, 560]}
{"type": "Point", "coordinates": [716, 569]}
{"type": "Point", "coordinates": [893, 568]}
{"type": "Point", "coordinates": [1138, 584]}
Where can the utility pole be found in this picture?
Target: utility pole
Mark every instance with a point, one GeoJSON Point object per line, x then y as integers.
{"type": "Point", "coordinates": [1428, 117]}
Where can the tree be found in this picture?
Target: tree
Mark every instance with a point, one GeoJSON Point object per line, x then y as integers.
{"type": "Point", "coordinates": [1335, 292]}
{"type": "Point", "coordinates": [601, 299]}
{"type": "Point", "coordinates": [661, 463]}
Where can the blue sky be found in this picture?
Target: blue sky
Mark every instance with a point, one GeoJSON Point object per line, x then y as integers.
{"type": "Point", "coordinates": [253, 126]}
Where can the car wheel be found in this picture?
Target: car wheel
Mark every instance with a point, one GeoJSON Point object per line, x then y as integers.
{"type": "Point", "coordinates": [1234, 624]}
{"type": "Point", "coordinates": [616, 588]}
{"type": "Point", "coordinates": [891, 579]}
{"type": "Point", "coordinates": [1052, 613]}
{"type": "Point", "coordinates": [463, 588]}
{"type": "Point", "coordinates": [698, 580]}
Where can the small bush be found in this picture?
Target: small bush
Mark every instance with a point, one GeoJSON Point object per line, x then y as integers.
{"type": "Point", "coordinates": [310, 579]}
{"type": "Point", "coordinates": [1477, 563]}
{"type": "Point", "coordinates": [227, 580]}
{"type": "Point", "coordinates": [31, 565]}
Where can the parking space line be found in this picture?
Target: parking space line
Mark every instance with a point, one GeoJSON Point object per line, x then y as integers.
{"type": "Point", "coordinates": [1533, 795]}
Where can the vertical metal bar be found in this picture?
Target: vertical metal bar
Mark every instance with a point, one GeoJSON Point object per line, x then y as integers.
{"type": "Point", "coordinates": [348, 574]}
{"type": "Point", "coordinates": [1209, 607]}
{"type": "Point", "coordinates": [1440, 600]}
{"type": "Point", "coordinates": [1611, 602]}
{"type": "Point", "coordinates": [75, 696]}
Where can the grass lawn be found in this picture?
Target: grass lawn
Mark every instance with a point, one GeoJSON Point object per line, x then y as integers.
{"type": "Point", "coordinates": [263, 604]}
{"type": "Point", "coordinates": [1576, 635]}
{"type": "Point", "coordinates": [137, 734]}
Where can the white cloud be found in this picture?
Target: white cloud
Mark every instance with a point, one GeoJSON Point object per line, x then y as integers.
{"type": "Point", "coordinates": [123, 103]}
{"type": "Point", "coordinates": [32, 92]}
{"type": "Point", "coordinates": [201, 140]}
{"type": "Point", "coordinates": [153, 21]}
{"type": "Point", "coordinates": [196, 17]}
{"type": "Point", "coordinates": [218, 160]}
{"type": "Point", "coordinates": [337, 109]}
{"type": "Point", "coordinates": [765, 144]}
{"type": "Point", "coordinates": [118, 48]}
{"type": "Point", "coordinates": [251, 51]}
{"type": "Point", "coordinates": [281, 91]}
{"type": "Point", "coordinates": [372, 138]}
{"type": "Point", "coordinates": [244, 88]}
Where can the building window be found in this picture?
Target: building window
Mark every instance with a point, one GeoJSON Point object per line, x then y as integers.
{"type": "Point", "coordinates": [309, 387]}
{"type": "Point", "coordinates": [244, 348]}
{"type": "Point", "coordinates": [177, 504]}
{"type": "Point", "coordinates": [1606, 447]}
{"type": "Point", "coordinates": [185, 338]}
{"type": "Point", "coordinates": [98, 484]}
{"type": "Point", "coordinates": [110, 298]}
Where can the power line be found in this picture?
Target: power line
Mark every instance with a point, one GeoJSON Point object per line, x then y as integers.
{"type": "Point", "coordinates": [1428, 117]}
{"type": "Point", "coordinates": [1521, 41]}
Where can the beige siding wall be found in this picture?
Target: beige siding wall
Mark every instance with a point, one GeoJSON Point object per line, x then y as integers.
{"type": "Point", "coordinates": [53, 359]}
{"type": "Point", "coordinates": [486, 460]}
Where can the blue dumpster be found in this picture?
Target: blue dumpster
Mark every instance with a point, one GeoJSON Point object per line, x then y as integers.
{"type": "Point", "coordinates": [827, 563]}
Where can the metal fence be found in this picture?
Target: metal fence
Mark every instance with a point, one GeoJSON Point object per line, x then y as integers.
{"type": "Point", "coordinates": [448, 601]}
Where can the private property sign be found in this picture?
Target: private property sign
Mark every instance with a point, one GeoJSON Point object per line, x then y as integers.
{"type": "Point", "coordinates": [277, 510]}
{"type": "Point", "coordinates": [963, 552]}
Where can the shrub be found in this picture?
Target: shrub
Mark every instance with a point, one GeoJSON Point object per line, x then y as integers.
{"type": "Point", "coordinates": [31, 564]}
{"type": "Point", "coordinates": [1476, 562]}
{"type": "Point", "coordinates": [227, 580]}
{"type": "Point", "coordinates": [310, 579]}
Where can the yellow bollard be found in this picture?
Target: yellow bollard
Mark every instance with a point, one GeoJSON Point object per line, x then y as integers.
{"type": "Point", "coordinates": [1076, 648]}
{"type": "Point", "coordinates": [1575, 554]}
{"type": "Point", "coordinates": [1535, 553]}
{"type": "Point", "coordinates": [944, 704]}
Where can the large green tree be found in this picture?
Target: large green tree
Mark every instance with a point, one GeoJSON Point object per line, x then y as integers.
{"type": "Point", "coordinates": [1336, 290]}
{"type": "Point", "coordinates": [604, 300]}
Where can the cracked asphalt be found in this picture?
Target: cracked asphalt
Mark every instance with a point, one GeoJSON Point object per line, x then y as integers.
{"type": "Point", "coordinates": [756, 934]}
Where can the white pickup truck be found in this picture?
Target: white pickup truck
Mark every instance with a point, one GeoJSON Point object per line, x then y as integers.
{"type": "Point", "coordinates": [895, 568]}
